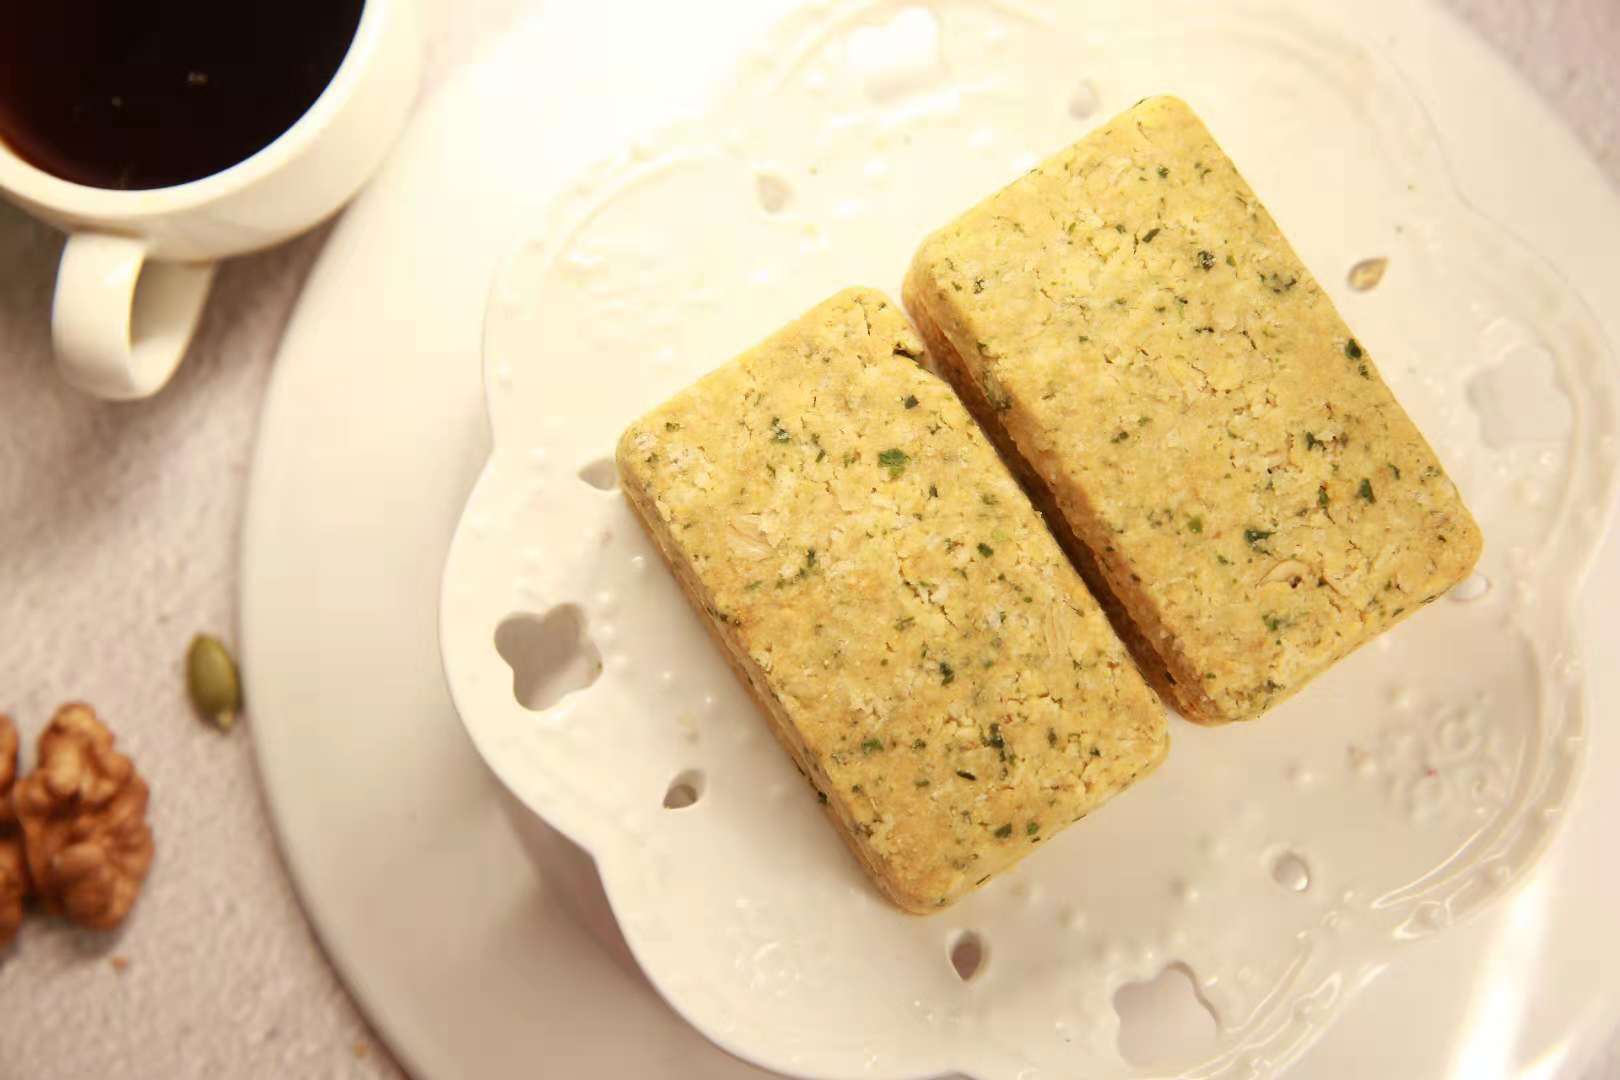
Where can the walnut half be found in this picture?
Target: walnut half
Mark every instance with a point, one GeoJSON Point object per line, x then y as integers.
{"type": "Point", "coordinates": [14, 885]}
{"type": "Point", "coordinates": [83, 815]}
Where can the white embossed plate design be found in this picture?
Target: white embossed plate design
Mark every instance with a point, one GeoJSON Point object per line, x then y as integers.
{"type": "Point", "coordinates": [1279, 862]}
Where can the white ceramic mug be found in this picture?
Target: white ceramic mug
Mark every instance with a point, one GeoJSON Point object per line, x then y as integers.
{"type": "Point", "coordinates": [138, 264]}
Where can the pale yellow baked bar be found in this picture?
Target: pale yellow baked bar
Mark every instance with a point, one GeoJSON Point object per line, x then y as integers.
{"type": "Point", "coordinates": [917, 638]}
{"type": "Point", "coordinates": [1215, 446]}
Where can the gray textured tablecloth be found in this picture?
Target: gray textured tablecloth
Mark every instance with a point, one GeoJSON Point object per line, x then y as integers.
{"type": "Point", "coordinates": [118, 540]}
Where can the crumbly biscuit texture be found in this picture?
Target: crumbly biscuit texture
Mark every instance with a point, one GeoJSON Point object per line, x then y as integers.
{"type": "Point", "coordinates": [920, 644]}
{"type": "Point", "coordinates": [1140, 337]}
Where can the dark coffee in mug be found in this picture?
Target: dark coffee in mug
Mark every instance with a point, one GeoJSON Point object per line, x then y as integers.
{"type": "Point", "coordinates": [135, 94]}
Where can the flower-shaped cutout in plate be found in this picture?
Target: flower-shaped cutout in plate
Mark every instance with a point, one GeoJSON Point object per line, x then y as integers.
{"type": "Point", "coordinates": [1277, 863]}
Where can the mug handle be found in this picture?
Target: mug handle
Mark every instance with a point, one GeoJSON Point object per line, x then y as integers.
{"type": "Point", "coordinates": [112, 339]}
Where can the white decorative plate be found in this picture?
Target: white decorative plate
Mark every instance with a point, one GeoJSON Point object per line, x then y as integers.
{"type": "Point", "coordinates": [474, 953]}
{"type": "Point", "coordinates": [1280, 863]}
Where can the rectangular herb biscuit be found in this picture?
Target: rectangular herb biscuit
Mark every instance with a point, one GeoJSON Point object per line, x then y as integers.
{"type": "Point", "coordinates": [918, 640]}
{"type": "Point", "coordinates": [1211, 443]}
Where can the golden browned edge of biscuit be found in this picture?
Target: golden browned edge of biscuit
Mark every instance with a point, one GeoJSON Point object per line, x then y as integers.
{"type": "Point", "coordinates": [1153, 665]}
{"type": "Point", "coordinates": [758, 687]}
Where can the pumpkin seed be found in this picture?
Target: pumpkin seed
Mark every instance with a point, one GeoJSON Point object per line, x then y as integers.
{"type": "Point", "coordinates": [212, 682]}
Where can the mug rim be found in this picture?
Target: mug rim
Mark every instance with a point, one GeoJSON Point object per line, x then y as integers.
{"type": "Point", "coordinates": [29, 182]}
